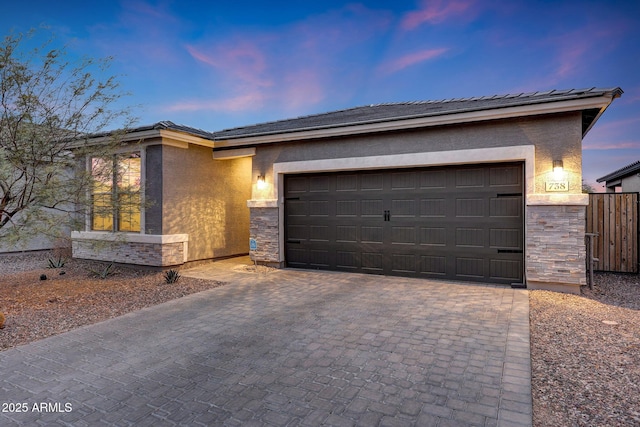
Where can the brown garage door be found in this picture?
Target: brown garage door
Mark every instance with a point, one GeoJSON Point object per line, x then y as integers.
{"type": "Point", "coordinates": [459, 223]}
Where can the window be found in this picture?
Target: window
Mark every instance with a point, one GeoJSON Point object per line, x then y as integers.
{"type": "Point", "coordinates": [116, 193]}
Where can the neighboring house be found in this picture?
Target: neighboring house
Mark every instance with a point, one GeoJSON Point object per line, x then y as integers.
{"type": "Point", "coordinates": [626, 179]}
{"type": "Point", "coordinates": [481, 189]}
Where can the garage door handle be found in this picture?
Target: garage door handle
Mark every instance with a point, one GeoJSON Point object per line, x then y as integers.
{"type": "Point", "coordinates": [294, 241]}
{"type": "Point", "coordinates": [387, 215]}
{"type": "Point", "coordinates": [510, 251]}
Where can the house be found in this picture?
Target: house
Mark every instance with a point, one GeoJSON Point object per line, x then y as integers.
{"type": "Point", "coordinates": [481, 189]}
{"type": "Point", "coordinates": [626, 179]}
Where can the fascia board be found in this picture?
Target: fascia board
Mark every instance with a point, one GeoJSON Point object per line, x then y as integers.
{"type": "Point", "coordinates": [421, 122]}
{"type": "Point", "coordinates": [164, 136]}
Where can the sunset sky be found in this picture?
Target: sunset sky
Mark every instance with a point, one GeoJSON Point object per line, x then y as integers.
{"type": "Point", "coordinates": [221, 64]}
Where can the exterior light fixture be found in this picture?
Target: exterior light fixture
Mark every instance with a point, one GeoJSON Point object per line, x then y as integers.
{"type": "Point", "coordinates": [261, 182]}
{"type": "Point", "coordinates": [558, 167]}
{"type": "Point", "coordinates": [557, 178]}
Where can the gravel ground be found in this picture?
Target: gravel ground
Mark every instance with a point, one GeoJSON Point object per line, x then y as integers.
{"type": "Point", "coordinates": [585, 354]}
{"type": "Point", "coordinates": [36, 309]}
{"type": "Point", "coordinates": [585, 349]}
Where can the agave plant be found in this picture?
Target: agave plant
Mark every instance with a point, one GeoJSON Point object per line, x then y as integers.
{"type": "Point", "coordinates": [171, 276]}
{"type": "Point", "coordinates": [57, 263]}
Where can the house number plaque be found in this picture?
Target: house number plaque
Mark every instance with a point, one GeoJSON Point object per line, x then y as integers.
{"type": "Point", "coordinates": [556, 186]}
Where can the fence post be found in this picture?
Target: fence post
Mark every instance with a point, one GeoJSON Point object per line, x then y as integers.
{"type": "Point", "coordinates": [590, 259]}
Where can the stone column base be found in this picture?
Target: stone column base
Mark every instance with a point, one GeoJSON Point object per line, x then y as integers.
{"type": "Point", "coordinates": [264, 220]}
{"type": "Point", "coordinates": [555, 247]}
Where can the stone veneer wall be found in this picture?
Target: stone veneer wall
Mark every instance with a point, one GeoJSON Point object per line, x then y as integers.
{"type": "Point", "coordinates": [555, 247]}
{"type": "Point", "coordinates": [139, 253]}
{"type": "Point", "coordinates": [264, 229]}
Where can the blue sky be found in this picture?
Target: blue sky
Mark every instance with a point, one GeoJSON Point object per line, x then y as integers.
{"type": "Point", "coordinates": [222, 64]}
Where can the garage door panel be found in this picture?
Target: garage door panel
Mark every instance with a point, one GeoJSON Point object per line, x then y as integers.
{"type": "Point", "coordinates": [319, 259]}
{"type": "Point", "coordinates": [471, 207]}
{"type": "Point", "coordinates": [318, 207]}
{"type": "Point", "coordinates": [470, 267]}
{"type": "Point", "coordinates": [505, 207]}
{"type": "Point", "coordinates": [470, 237]}
{"type": "Point", "coordinates": [372, 234]}
{"type": "Point", "coordinates": [347, 259]}
{"type": "Point", "coordinates": [319, 184]}
{"type": "Point", "coordinates": [404, 208]}
{"type": "Point", "coordinates": [458, 222]}
{"type": "Point", "coordinates": [505, 238]}
{"type": "Point", "coordinates": [346, 208]}
{"type": "Point", "coordinates": [372, 182]}
{"type": "Point", "coordinates": [373, 262]}
{"type": "Point", "coordinates": [470, 177]}
{"type": "Point", "coordinates": [433, 265]}
{"type": "Point", "coordinates": [433, 236]}
{"type": "Point", "coordinates": [297, 208]}
{"type": "Point", "coordinates": [347, 233]}
{"type": "Point", "coordinates": [372, 208]}
{"type": "Point", "coordinates": [433, 208]}
{"type": "Point", "coordinates": [403, 181]}
{"type": "Point", "coordinates": [505, 176]}
{"type": "Point", "coordinates": [505, 269]}
{"type": "Point", "coordinates": [433, 179]}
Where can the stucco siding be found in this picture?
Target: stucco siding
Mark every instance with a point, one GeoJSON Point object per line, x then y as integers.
{"type": "Point", "coordinates": [631, 184]}
{"type": "Point", "coordinates": [206, 199]}
{"type": "Point", "coordinates": [555, 137]}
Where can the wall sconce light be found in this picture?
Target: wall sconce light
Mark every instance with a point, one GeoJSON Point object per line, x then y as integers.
{"type": "Point", "coordinates": [261, 182]}
{"type": "Point", "coordinates": [558, 167]}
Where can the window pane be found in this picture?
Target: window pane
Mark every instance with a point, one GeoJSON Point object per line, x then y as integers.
{"type": "Point", "coordinates": [102, 212]}
{"type": "Point", "coordinates": [129, 212]}
{"type": "Point", "coordinates": [102, 173]}
{"type": "Point", "coordinates": [129, 173]}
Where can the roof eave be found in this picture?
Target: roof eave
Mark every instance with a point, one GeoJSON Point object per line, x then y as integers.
{"type": "Point", "coordinates": [621, 173]}
{"type": "Point", "coordinates": [439, 119]}
{"type": "Point", "coordinates": [146, 135]}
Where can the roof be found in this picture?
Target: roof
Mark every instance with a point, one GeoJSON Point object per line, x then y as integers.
{"type": "Point", "coordinates": [622, 172]}
{"type": "Point", "coordinates": [169, 125]}
{"type": "Point", "coordinates": [387, 112]}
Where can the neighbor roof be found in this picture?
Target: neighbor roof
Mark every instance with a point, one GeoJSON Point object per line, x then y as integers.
{"type": "Point", "coordinates": [622, 172]}
{"type": "Point", "coordinates": [387, 112]}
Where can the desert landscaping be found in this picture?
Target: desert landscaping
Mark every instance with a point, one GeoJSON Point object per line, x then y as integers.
{"type": "Point", "coordinates": [585, 349]}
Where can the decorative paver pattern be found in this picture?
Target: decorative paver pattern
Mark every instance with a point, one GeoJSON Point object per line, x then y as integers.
{"type": "Point", "coordinates": [288, 348]}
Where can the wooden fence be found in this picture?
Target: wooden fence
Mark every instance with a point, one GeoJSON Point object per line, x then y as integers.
{"type": "Point", "coordinates": [614, 217]}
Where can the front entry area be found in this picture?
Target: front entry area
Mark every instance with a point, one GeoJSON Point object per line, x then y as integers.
{"type": "Point", "coordinates": [454, 222]}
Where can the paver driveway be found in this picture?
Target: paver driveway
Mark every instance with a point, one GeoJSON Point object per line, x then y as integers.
{"type": "Point", "coordinates": [288, 347]}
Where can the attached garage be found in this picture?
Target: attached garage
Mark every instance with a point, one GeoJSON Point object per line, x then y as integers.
{"type": "Point", "coordinates": [459, 223]}
{"type": "Point", "coordinates": [485, 189]}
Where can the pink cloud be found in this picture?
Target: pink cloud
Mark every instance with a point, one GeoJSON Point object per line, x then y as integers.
{"type": "Point", "coordinates": [410, 59]}
{"type": "Point", "coordinates": [434, 12]}
{"type": "Point", "coordinates": [613, 145]}
{"type": "Point", "coordinates": [303, 88]}
{"type": "Point", "coordinates": [241, 61]}
{"type": "Point", "coordinates": [244, 102]}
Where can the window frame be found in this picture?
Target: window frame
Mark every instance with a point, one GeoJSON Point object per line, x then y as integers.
{"type": "Point", "coordinates": [116, 191]}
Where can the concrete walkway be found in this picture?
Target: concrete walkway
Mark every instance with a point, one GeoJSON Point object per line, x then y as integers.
{"type": "Point", "coordinates": [286, 348]}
